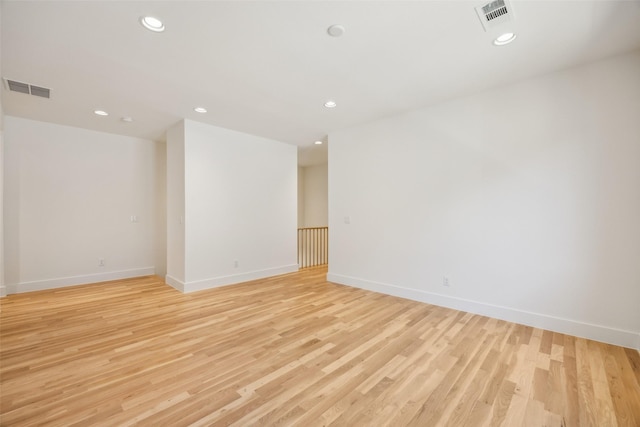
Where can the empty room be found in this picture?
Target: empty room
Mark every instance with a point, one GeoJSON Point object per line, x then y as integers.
{"type": "Point", "coordinates": [320, 213]}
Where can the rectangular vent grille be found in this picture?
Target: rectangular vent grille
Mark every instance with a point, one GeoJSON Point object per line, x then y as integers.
{"type": "Point", "coordinates": [494, 5]}
{"type": "Point", "coordinates": [16, 86]}
{"type": "Point", "coordinates": [495, 13]}
{"type": "Point", "coordinates": [40, 91]}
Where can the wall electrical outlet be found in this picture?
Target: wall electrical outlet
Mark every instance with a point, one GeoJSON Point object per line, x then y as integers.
{"type": "Point", "coordinates": [236, 264]}
{"type": "Point", "coordinates": [445, 281]}
{"type": "Point", "coordinates": [100, 262]}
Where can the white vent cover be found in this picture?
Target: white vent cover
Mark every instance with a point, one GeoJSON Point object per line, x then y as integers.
{"type": "Point", "coordinates": [494, 13]}
{"type": "Point", "coordinates": [26, 88]}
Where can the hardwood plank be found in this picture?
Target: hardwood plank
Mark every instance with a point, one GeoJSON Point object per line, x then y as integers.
{"type": "Point", "coordinates": [621, 402]}
{"type": "Point", "coordinates": [586, 396]}
{"type": "Point", "coordinates": [605, 412]}
{"type": "Point", "coordinates": [294, 350]}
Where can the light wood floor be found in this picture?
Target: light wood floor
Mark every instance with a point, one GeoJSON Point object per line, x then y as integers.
{"type": "Point", "coordinates": [294, 350]}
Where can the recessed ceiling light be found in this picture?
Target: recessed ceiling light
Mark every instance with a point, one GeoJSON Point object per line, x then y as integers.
{"type": "Point", "coordinates": [503, 39]}
{"type": "Point", "coordinates": [101, 113]}
{"type": "Point", "coordinates": [200, 110]}
{"type": "Point", "coordinates": [318, 142]}
{"type": "Point", "coordinates": [330, 104]}
{"type": "Point", "coordinates": [127, 119]}
{"type": "Point", "coordinates": [335, 30]}
{"type": "Point", "coordinates": [151, 23]}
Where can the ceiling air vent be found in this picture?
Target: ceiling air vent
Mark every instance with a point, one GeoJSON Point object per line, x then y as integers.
{"type": "Point", "coordinates": [21, 87]}
{"type": "Point", "coordinates": [494, 13]}
{"type": "Point", "coordinates": [40, 91]}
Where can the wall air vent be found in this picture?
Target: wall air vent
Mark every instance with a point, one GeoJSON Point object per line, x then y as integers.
{"type": "Point", "coordinates": [494, 13]}
{"type": "Point", "coordinates": [16, 86]}
{"type": "Point", "coordinates": [40, 91]}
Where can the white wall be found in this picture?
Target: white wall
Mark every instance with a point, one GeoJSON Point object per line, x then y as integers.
{"type": "Point", "coordinates": [240, 205]}
{"type": "Point", "coordinates": [175, 204]}
{"type": "Point", "coordinates": [300, 197]}
{"type": "Point", "coordinates": [316, 196]}
{"type": "Point", "coordinates": [69, 197]}
{"type": "Point", "coordinates": [160, 232]}
{"type": "Point", "coordinates": [3, 289]}
{"type": "Point", "coordinates": [526, 197]}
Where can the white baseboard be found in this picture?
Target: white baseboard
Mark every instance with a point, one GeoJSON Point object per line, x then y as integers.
{"type": "Point", "coordinates": [61, 282]}
{"type": "Point", "coordinates": [216, 282]}
{"type": "Point", "coordinates": [3, 291]}
{"type": "Point", "coordinates": [174, 283]}
{"type": "Point", "coordinates": [629, 339]}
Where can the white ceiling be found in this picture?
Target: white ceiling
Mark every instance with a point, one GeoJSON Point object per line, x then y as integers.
{"type": "Point", "coordinates": [267, 67]}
